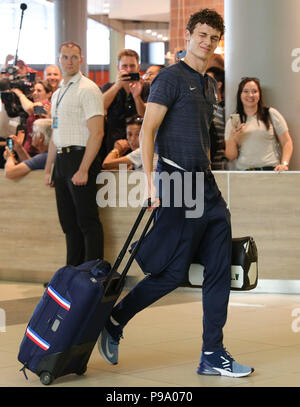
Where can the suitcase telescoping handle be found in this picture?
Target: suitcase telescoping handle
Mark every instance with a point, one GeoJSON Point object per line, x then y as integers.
{"type": "Point", "coordinates": [126, 245]}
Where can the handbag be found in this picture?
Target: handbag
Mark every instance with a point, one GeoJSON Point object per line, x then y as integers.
{"type": "Point", "coordinates": [244, 267]}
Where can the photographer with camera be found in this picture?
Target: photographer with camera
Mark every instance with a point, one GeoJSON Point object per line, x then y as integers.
{"type": "Point", "coordinates": [14, 142]}
{"type": "Point", "coordinates": [124, 98]}
{"type": "Point", "coordinates": [38, 108]}
{"type": "Point", "coordinates": [23, 68]}
{"type": "Point", "coordinates": [14, 76]}
{"type": "Point", "coordinates": [41, 137]}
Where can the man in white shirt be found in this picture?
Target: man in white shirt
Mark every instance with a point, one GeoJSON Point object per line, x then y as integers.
{"type": "Point", "coordinates": [77, 120]}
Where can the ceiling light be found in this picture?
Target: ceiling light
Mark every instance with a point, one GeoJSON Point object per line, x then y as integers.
{"type": "Point", "coordinates": [159, 36]}
{"type": "Point", "coordinates": [165, 38]}
{"type": "Point", "coordinates": [148, 31]}
{"type": "Point", "coordinates": [154, 33]}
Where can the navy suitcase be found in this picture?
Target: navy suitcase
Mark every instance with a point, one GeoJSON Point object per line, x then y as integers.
{"type": "Point", "coordinates": [70, 316]}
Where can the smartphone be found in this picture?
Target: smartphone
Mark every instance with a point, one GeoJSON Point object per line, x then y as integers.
{"type": "Point", "coordinates": [133, 76]}
{"type": "Point", "coordinates": [235, 118]}
{"type": "Point", "coordinates": [10, 144]}
{"type": "Point", "coordinates": [39, 110]}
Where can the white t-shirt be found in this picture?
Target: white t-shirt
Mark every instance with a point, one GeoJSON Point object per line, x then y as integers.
{"type": "Point", "coordinates": [71, 106]}
{"type": "Point", "coordinates": [259, 146]}
{"type": "Point", "coordinates": [136, 158]}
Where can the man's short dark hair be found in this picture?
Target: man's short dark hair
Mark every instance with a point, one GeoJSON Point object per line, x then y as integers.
{"type": "Point", "coordinates": [128, 53]}
{"type": "Point", "coordinates": [136, 119]}
{"type": "Point", "coordinates": [69, 44]}
{"type": "Point", "coordinates": [209, 17]}
{"type": "Point", "coordinates": [218, 73]}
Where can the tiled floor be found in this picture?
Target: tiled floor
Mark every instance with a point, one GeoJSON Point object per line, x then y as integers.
{"type": "Point", "coordinates": [161, 345]}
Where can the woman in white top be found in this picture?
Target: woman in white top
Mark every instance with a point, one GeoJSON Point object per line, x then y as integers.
{"type": "Point", "coordinates": [254, 140]}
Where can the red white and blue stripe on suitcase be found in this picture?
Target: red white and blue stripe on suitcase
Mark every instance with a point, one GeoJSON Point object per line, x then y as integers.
{"type": "Point", "coordinates": [63, 303]}
{"type": "Point", "coordinates": [37, 339]}
{"type": "Point", "coordinates": [58, 298]}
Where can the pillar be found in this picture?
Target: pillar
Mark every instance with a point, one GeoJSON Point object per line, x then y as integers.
{"type": "Point", "coordinates": [262, 40]}
{"type": "Point", "coordinates": [71, 25]}
{"type": "Point", "coordinates": [117, 43]}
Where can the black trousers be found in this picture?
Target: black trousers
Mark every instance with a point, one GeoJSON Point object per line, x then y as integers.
{"type": "Point", "coordinates": [77, 209]}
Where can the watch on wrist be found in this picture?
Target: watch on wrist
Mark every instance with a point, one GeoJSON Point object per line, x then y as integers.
{"type": "Point", "coordinates": [285, 163]}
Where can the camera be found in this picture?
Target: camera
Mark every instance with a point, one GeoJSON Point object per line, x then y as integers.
{"type": "Point", "coordinates": [39, 110]}
{"type": "Point", "coordinates": [10, 100]}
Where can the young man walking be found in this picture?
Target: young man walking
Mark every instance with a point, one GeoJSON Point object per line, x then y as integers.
{"type": "Point", "coordinates": [179, 110]}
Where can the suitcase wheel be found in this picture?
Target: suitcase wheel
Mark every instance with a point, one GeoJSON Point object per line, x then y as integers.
{"type": "Point", "coordinates": [46, 378]}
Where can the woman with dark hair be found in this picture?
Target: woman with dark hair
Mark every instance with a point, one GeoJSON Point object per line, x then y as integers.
{"type": "Point", "coordinates": [37, 108]}
{"type": "Point", "coordinates": [254, 136]}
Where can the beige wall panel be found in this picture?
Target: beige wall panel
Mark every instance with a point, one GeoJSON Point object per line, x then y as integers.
{"type": "Point", "coordinates": [266, 206]}
{"type": "Point", "coordinates": [32, 245]}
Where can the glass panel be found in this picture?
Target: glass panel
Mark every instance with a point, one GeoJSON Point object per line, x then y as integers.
{"type": "Point", "coordinates": [98, 52]}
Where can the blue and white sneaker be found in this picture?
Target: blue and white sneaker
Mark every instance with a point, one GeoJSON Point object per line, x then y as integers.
{"type": "Point", "coordinates": [221, 363]}
{"type": "Point", "coordinates": [108, 342]}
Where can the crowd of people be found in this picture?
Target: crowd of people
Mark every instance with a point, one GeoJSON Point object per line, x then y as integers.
{"type": "Point", "coordinates": [124, 104]}
{"type": "Point", "coordinates": [259, 140]}
{"type": "Point", "coordinates": [73, 129]}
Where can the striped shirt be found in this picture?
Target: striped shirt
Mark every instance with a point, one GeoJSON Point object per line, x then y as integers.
{"type": "Point", "coordinates": [183, 136]}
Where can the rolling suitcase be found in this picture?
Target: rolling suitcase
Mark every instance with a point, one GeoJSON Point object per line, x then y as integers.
{"type": "Point", "coordinates": [70, 316]}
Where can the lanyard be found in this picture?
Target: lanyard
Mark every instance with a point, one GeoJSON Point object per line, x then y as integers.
{"type": "Point", "coordinates": [59, 99]}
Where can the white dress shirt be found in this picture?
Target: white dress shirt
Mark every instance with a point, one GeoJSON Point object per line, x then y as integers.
{"type": "Point", "coordinates": [71, 106]}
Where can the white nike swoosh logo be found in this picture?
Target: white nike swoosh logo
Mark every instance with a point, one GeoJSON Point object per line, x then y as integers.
{"type": "Point", "coordinates": [107, 350]}
{"type": "Point", "coordinates": [191, 88]}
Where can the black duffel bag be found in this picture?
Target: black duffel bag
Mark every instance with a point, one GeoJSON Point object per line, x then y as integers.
{"type": "Point", "coordinates": [244, 268]}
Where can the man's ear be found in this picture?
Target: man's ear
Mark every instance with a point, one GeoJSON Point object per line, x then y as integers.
{"type": "Point", "coordinates": [187, 35]}
{"type": "Point", "coordinates": [41, 139]}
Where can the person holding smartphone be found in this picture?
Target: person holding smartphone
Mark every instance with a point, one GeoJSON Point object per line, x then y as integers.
{"type": "Point", "coordinates": [19, 168]}
{"type": "Point", "coordinates": [124, 98]}
{"type": "Point", "coordinates": [255, 134]}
